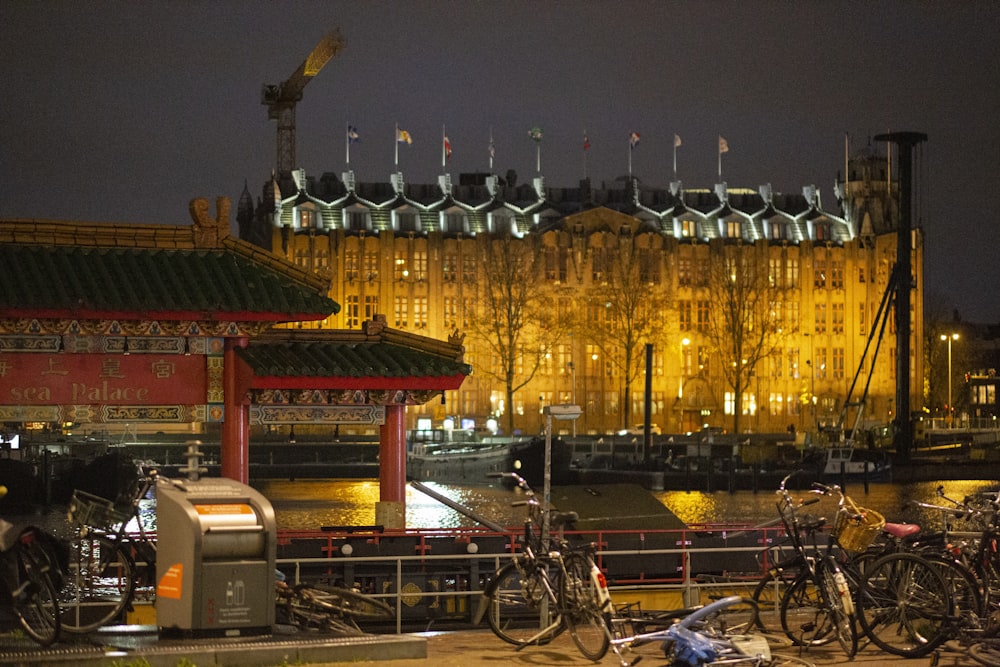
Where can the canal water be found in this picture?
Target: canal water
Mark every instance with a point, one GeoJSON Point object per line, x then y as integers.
{"type": "Point", "coordinates": [311, 504]}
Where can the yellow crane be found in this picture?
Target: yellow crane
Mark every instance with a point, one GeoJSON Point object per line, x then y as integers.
{"type": "Point", "coordinates": [281, 98]}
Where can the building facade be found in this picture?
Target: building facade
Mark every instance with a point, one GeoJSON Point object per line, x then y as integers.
{"type": "Point", "coordinates": [821, 337]}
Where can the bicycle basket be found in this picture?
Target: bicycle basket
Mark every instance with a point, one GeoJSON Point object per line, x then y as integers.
{"type": "Point", "coordinates": [857, 534]}
{"type": "Point", "coordinates": [89, 511]}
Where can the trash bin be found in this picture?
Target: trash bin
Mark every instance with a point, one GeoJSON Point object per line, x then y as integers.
{"type": "Point", "coordinates": [215, 561]}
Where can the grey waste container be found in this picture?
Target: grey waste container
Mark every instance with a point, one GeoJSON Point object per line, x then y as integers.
{"type": "Point", "coordinates": [216, 545]}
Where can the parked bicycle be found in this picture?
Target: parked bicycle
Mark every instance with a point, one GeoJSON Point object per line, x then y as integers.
{"type": "Point", "coordinates": [697, 638]}
{"type": "Point", "coordinates": [317, 607]}
{"type": "Point", "coordinates": [112, 559]}
{"type": "Point", "coordinates": [549, 587]}
{"type": "Point", "coordinates": [27, 572]}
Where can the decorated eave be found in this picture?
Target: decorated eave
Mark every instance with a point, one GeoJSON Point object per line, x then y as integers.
{"type": "Point", "coordinates": [66, 277]}
{"type": "Point", "coordinates": [374, 365]}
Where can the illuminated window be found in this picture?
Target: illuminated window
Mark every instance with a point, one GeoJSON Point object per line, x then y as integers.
{"type": "Point", "coordinates": [688, 229]}
{"type": "Point", "coordinates": [792, 272]}
{"type": "Point", "coordinates": [468, 269]}
{"type": "Point", "coordinates": [684, 278]}
{"type": "Point", "coordinates": [779, 230]}
{"type": "Point", "coordinates": [703, 314]}
{"type": "Point", "coordinates": [420, 265]}
{"type": "Point", "coordinates": [420, 312]}
{"type": "Point", "coordinates": [820, 363]}
{"type": "Point", "coordinates": [401, 311]}
{"type": "Point", "coordinates": [449, 267]}
{"type": "Point", "coordinates": [837, 315]}
{"type": "Point", "coordinates": [468, 310]}
{"type": "Point", "coordinates": [371, 266]}
{"type": "Point", "coordinates": [352, 313]}
{"type": "Point", "coordinates": [351, 265]}
{"type": "Point", "coordinates": [684, 313]}
{"type": "Point", "coordinates": [399, 270]}
{"type": "Point", "coordinates": [819, 273]}
{"type": "Point", "coordinates": [820, 309]}
{"type": "Point", "coordinates": [307, 216]}
{"type": "Point", "coordinates": [838, 363]}
{"type": "Point", "coordinates": [371, 307]}
{"type": "Point", "coordinates": [450, 307]}
{"type": "Point", "coordinates": [733, 229]}
{"type": "Point", "coordinates": [837, 274]}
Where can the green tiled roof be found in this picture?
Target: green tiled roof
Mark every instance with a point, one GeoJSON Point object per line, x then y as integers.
{"type": "Point", "coordinates": [344, 354]}
{"type": "Point", "coordinates": [166, 283]}
{"type": "Point", "coordinates": [346, 360]}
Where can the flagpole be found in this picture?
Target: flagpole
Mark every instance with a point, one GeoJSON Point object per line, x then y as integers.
{"type": "Point", "coordinates": [630, 158]}
{"type": "Point", "coordinates": [720, 158]}
{"type": "Point", "coordinates": [347, 141]}
{"type": "Point", "coordinates": [538, 157]}
{"type": "Point", "coordinates": [444, 155]}
{"type": "Point", "coordinates": [585, 142]}
{"type": "Point", "coordinates": [847, 151]}
{"type": "Point", "coordinates": [491, 149]}
{"type": "Point", "coordinates": [395, 144]}
{"type": "Point", "coordinates": [675, 156]}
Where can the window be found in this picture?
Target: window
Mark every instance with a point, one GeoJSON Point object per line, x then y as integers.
{"type": "Point", "coordinates": [838, 363]}
{"type": "Point", "coordinates": [356, 219]}
{"type": "Point", "coordinates": [733, 229]}
{"type": "Point", "coordinates": [819, 273]}
{"type": "Point", "coordinates": [399, 270]}
{"type": "Point", "coordinates": [820, 318]}
{"type": "Point", "coordinates": [820, 363]}
{"type": "Point", "coordinates": [449, 267]}
{"type": "Point", "coordinates": [555, 264]}
{"type": "Point", "coordinates": [684, 277]}
{"type": "Point", "coordinates": [564, 357]}
{"type": "Point", "coordinates": [703, 359]}
{"type": "Point", "coordinates": [468, 310]}
{"type": "Point", "coordinates": [837, 321]}
{"type": "Point", "coordinates": [351, 265]}
{"type": "Point", "coordinates": [593, 361]}
{"type": "Point", "coordinates": [468, 269]}
{"type": "Point", "coordinates": [779, 230]}
{"type": "Point", "coordinates": [862, 322]}
{"type": "Point", "coordinates": [503, 222]}
{"type": "Point", "coordinates": [353, 311]}
{"type": "Point", "coordinates": [371, 307]}
{"type": "Point", "coordinates": [649, 266]}
{"type": "Point", "coordinates": [598, 264]}
{"type": "Point", "coordinates": [371, 265]}
{"type": "Point", "coordinates": [688, 229]}
{"type": "Point", "coordinates": [793, 363]}
{"type": "Point", "coordinates": [687, 362]}
{"type": "Point", "coordinates": [307, 217]}
{"type": "Point", "coordinates": [450, 307]}
{"type": "Point", "coordinates": [792, 272]}
{"type": "Point", "coordinates": [454, 222]}
{"type": "Point", "coordinates": [822, 230]}
{"type": "Point", "coordinates": [837, 274]}
{"type": "Point", "coordinates": [703, 314]}
{"type": "Point", "coordinates": [701, 273]}
{"type": "Point", "coordinates": [407, 221]}
{"type": "Point", "coordinates": [861, 274]}
{"type": "Point", "coordinates": [420, 312]}
{"type": "Point", "coordinates": [597, 313]}
{"type": "Point", "coordinates": [401, 311]}
{"type": "Point", "coordinates": [420, 265]}
{"type": "Point", "coordinates": [774, 272]}
{"type": "Point", "coordinates": [684, 312]}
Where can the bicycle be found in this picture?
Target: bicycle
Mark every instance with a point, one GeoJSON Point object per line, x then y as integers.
{"type": "Point", "coordinates": [696, 639]}
{"type": "Point", "coordinates": [315, 607]}
{"type": "Point", "coordinates": [548, 588]}
{"type": "Point", "coordinates": [26, 573]}
{"type": "Point", "coordinates": [111, 566]}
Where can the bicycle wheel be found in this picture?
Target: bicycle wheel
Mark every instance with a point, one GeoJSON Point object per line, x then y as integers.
{"type": "Point", "coordinates": [350, 603]}
{"type": "Point", "coordinates": [736, 619]}
{"type": "Point", "coordinates": [986, 652]}
{"type": "Point", "coordinates": [804, 617]}
{"type": "Point", "coordinates": [519, 606]}
{"type": "Point", "coordinates": [905, 605]}
{"type": "Point", "coordinates": [841, 606]}
{"type": "Point", "coordinates": [35, 602]}
{"type": "Point", "coordinates": [99, 585]}
{"type": "Point", "coordinates": [767, 596]}
{"type": "Point", "coordinates": [585, 613]}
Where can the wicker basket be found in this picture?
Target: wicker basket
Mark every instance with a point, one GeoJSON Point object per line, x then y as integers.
{"type": "Point", "coordinates": [95, 513]}
{"type": "Point", "coordinates": [857, 534]}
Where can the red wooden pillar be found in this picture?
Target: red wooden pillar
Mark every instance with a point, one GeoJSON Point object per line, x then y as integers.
{"type": "Point", "coordinates": [390, 511]}
{"type": "Point", "coordinates": [235, 454]}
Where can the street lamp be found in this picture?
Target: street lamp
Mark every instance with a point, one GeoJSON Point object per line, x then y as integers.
{"type": "Point", "coordinates": [949, 338]}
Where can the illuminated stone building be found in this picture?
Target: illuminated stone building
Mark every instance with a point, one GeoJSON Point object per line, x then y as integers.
{"type": "Point", "coordinates": [409, 252]}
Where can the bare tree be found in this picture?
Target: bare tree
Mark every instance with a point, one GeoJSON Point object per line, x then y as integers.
{"type": "Point", "coordinates": [515, 319]}
{"type": "Point", "coordinates": [629, 306]}
{"type": "Point", "coordinates": [744, 324]}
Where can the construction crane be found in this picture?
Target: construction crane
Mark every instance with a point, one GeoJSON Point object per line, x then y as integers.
{"type": "Point", "coordinates": [281, 99]}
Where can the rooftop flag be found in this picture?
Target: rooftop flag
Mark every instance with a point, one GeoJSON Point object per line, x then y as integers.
{"type": "Point", "coordinates": [403, 137]}
{"type": "Point", "coordinates": [677, 140]}
{"type": "Point", "coordinates": [447, 147]}
{"type": "Point", "coordinates": [586, 141]}
{"type": "Point", "coordinates": [633, 139]}
{"type": "Point", "coordinates": [535, 133]}
{"type": "Point", "coordinates": [723, 145]}
{"type": "Point", "coordinates": [352, 134]}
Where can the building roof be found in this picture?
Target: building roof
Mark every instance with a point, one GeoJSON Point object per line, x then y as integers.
{"type": "Point", "coordinates": [68, 270]}
{"type": "Point", "coordinates": [374, 357]}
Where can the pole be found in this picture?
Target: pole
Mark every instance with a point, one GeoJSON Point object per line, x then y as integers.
{"type": "Point", "coordinates": [547, 483]}
{"type": "Point", "coordinates": [951, 411]}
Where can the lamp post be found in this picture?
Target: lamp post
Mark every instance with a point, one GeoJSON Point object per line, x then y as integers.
{"type": "Point", "coordinates": [951, 409]}
{"type": "Point", "coordinates": [685, 342]}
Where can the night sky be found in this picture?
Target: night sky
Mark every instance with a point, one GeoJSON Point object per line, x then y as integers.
{"type": "Point", "coordinates": [125, 111]}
